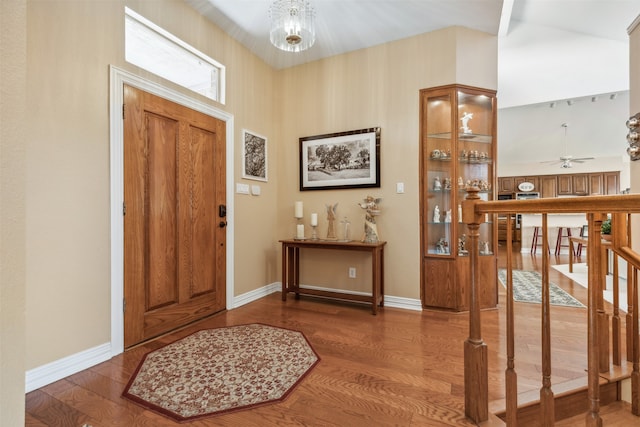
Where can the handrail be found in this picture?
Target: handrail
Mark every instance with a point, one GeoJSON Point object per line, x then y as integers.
{"type": "Point", "coordinates": [627, 203]}
{"type": "Point", "coordinates": [595, 208]}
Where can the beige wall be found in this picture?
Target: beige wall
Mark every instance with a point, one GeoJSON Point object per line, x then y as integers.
{"type": "Point", "coordinates": [373, 87]}
{"type": "Point", "coordinates": [13, 43]}
{"type": "Point", "coordinates": [634, 108]}
{"type": "Point", "coordinates": [70, 47]}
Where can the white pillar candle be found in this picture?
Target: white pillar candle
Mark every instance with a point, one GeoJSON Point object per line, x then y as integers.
{"type": "Point", "coordinates": [300, 231]}
{"type": "Point", "coordinates": [459, 213]}
{"type": "Point", "coordinates": [314, 219]}
{"type": "Point", "coordinates": [298, 210]}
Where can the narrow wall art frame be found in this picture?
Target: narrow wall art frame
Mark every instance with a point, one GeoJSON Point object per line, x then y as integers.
{"type": "Point", "coordinates": [340, 160]}
{"type": "Point", "coordinates": [254, 156]}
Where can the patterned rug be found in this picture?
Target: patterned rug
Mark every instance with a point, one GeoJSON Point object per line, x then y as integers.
{"type": "Point", "coordinates": [217, 371]}
{"type": "Point", "coordinates": [527, 287]}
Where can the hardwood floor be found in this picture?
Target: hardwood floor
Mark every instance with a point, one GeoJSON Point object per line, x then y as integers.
{"type": "Point", "coordinates": [399, 368]}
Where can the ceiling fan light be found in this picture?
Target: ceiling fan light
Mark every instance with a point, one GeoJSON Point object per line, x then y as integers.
{"type": "Point", "coordinates": [292, 25]}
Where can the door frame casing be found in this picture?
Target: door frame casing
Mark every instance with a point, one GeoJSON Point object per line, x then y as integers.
{"type": "Point", "coordinates": [118, 78]}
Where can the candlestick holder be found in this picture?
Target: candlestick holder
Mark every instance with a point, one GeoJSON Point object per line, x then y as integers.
{"type": "Point", "coordinates": [314, 236]}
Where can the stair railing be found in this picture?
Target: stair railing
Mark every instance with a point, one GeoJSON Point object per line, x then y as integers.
{"type": "Point", "coordinates": [596, 209]}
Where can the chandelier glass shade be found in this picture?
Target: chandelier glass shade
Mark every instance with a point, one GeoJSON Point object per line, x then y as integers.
{"type": "Point", "coordinates": [292, 25]}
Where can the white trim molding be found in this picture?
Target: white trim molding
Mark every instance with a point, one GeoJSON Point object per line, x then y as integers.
{"type": "Point", "coordinates": [59, 369]}
{"type": "Point", "coordinates": [118, 78]}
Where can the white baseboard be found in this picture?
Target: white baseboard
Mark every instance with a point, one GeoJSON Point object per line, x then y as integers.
{"type": "Point", "coordinates": [59, 369]}
{"type": "Point", "coordinates": [389, 301]}
{"type": "Point", "coordinates": [254, 295]}
{"type": "Point", "coordinates": [62, 368]}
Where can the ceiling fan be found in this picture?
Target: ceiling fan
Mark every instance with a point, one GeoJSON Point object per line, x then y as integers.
{"type": "Point", "coordinates": [567, 160]}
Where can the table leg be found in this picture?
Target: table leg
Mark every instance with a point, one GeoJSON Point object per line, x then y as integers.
{"type": "Point", "coordinates": [296, 271]}
{"type": "Point", "coordinates": [570, 255]}
{"type": "Point", "coordinates": [375, 281]}
{"type": "Point", "coordinates": [284, 271]}
{"type": "Point", "coordinates": [382, 277]}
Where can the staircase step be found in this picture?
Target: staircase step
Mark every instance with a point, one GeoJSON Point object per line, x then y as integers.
{"type": "Point", "coordinates": [571, 399]}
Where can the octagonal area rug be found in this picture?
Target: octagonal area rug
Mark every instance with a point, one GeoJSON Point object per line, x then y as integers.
{"type": "Point", "coordinates": [217, 371]}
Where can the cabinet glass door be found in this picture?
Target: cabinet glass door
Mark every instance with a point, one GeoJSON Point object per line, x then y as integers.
{"type": "Point", "coordinates": [475, 160]}
{"type": "Point", "coordinates": [439, 178]}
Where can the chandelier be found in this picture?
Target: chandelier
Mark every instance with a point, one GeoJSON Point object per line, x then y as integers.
{"type": "Point", "coordinates": [292, 25]}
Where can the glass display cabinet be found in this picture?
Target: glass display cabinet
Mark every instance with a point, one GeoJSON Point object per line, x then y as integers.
{"type": "Point", "coordinates": [457, 146]}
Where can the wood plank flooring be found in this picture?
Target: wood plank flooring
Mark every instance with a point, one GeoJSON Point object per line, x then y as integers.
{"type": "Point", "coordinates": [399, 368]}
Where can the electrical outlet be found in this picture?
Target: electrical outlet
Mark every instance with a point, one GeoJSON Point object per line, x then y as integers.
{"type": "Point", "coordinates": [352, 272]}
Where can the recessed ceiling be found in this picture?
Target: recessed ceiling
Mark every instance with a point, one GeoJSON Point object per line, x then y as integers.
{"type": "Point", "coordinates": [348, 25]}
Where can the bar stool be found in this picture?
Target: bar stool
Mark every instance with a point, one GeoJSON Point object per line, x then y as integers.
{"type": "Point", "coordinates": [561, 236]}
{"type": "Point", "coordinates": [584, 232]}
{"type": "Point", "coordinates": [534, 240]}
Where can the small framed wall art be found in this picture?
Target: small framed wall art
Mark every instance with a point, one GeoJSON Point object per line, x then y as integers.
{"type": "Point", "coordinates": [340, 160]}
{"type": "Point", "coordinates": [254, 156]}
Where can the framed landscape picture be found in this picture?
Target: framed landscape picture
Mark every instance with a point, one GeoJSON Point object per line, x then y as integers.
{"type": "Point", "coordinates": [254, 156]}
{"type": "Point", "coordinates": [340, 160]}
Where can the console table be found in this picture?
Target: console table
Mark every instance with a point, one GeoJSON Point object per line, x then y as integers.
{"type": "Point", "coordinates": [291, 269]}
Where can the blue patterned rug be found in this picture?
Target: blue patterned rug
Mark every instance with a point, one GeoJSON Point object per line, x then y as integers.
{"type": "Point", "coordinates": [527, 287]}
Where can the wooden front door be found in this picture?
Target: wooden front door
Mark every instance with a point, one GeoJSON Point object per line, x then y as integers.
{"type": "Point", "coordinates": [174, 219]}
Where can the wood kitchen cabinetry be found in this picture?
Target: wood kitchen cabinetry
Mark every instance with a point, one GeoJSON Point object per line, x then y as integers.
{"type": "Point", "coordinates": [565, 185]}
{"type": "Point", "coordinates": [457, 146]}
{"type": "Point", "coordinates": [548, 186]}
{"type": "Point", "coordinates": [579, 184]}
{"type": "Point", "coordinates": [506, 185]}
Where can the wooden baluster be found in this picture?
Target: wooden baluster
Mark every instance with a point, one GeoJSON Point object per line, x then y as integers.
{"type": "Point", "coordinates": [511, 378]}
{"type": "Point", "coordinates": [547, 406]}
{"type": "Point", "coordinates": [603, 317]}
{"type": "Point", "coordinates": [476, 374]}
{"type": "Point", "coordinates": [631, 304]}
{"type": "Point", "coordinates": [635, 375]}
{"type": "Point", "coordinates": [616, 326]}
{"type": "Point", "coordinates": [620, 238]}
{"type": "Point", "coordinates": [593, 363]}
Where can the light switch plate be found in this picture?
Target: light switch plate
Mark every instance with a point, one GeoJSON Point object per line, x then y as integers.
{"type": "Point", "coordinates": [242, 188]}
{"type": "Point", "coordinates": [399, 187]}
{"type": "Point", "coordinates": [255, 190]}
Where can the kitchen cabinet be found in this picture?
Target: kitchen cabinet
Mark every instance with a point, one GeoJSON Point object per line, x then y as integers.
{"type": "Point", "coordinates": [565, 185]}
{"type": "Point", "coordinates": [580, 184]}
{"type": "Point", "coordinates": [548, 186]}
{"type": "Point", "coordinates": [506, 185]}
{"type": "Point", "coordinates": [596, 184]}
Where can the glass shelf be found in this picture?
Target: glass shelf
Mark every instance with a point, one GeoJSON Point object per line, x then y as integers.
{"type": "Point", "coordinates": [486, 139]}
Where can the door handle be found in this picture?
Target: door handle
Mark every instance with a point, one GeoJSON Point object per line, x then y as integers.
{"type": "Point", "coordinates": [222, 211]}
{"type": "Point", "coordinates": [222, 224]}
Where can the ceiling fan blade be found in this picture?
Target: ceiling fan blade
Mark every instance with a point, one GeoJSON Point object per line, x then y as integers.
{"type": "Point", "coordinates": [552, 162]}
{"type": "Point", "coordinates": [582, 159]}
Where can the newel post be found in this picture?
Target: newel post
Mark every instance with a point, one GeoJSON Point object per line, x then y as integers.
{"type": "Point", "coordinates": [476, 380]}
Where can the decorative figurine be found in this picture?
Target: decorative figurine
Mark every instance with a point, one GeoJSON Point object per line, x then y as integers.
{"type": "Point", "coordinates": [436, 214]}
{"type": "Point", "coordinates": [447, 216]}
{"type": "Point", "coordinates": [331, 217]}
{"type": "Point", "coordinates": [370, 228]}
{"type": "Point", "coordinates": [460, 183]}
{"type": "Point", "coordinates": [465, 123]}
{"type": "Point", "coordinates": [447, 184]}
{"type": "Point", "coordinates": [442, 246]}
{"type": "Point", "coordinates": [484, 248]}
{"type": "Point", "coordinates": [437, 185]}
{"type": "Point", "coordinates": [462, 243]}
{"type": "Point", "coordinates": [435, 154]}
{"type": "Point", "coordinates": [346, 228]}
